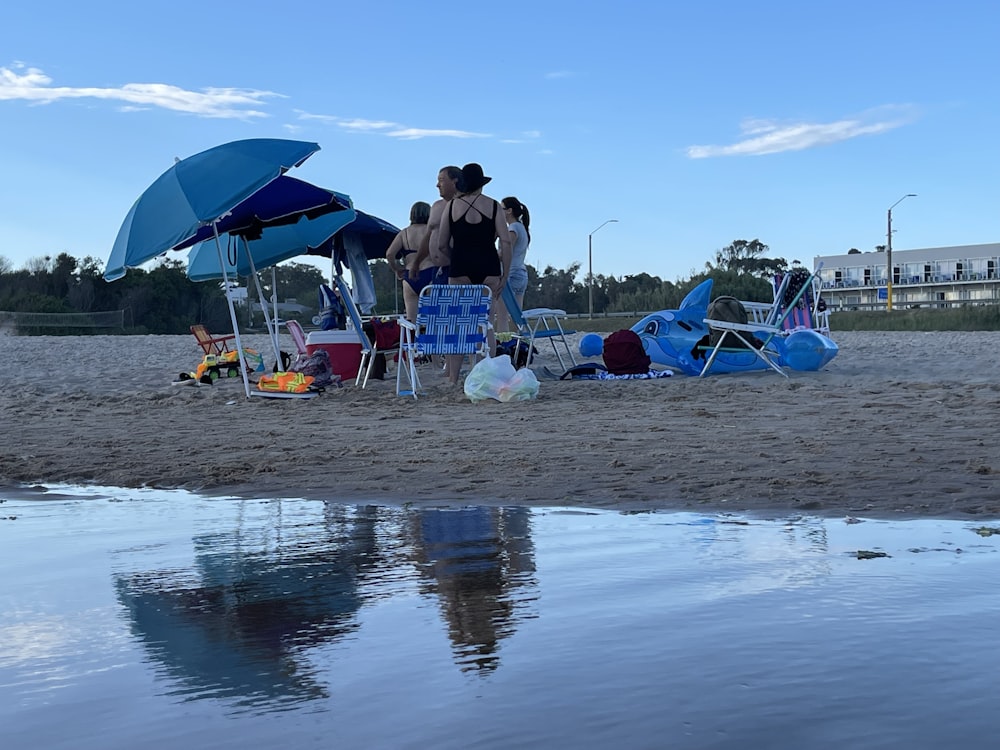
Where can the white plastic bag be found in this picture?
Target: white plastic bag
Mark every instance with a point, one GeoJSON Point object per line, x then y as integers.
{"type": "Point", "coordinates": [496, 378]}
{"type": "Point", "coordinates": [522, 387]}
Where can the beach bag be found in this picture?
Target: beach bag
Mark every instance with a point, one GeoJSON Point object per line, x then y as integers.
{"type": "Point", "coordinates": [624, 353]}
{"type": "Point", "coordinates": [332, 316]}
{"type": "Point", "coordinates": [524, 357]}
{"type": "Point", "coordinates": [730, 310]}
{"type": "Point", "coordinates": [317, 365]}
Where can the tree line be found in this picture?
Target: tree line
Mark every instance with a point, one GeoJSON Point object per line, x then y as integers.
{"type": "Point", "coordinates": [163, 300]}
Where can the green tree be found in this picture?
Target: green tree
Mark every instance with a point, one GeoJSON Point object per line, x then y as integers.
{"type": "Point", "coordinates": [747, 257]}
{"type": "Point", "coordinates": [556, 288]}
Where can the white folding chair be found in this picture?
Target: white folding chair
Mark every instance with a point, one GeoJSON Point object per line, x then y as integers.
{"type": "Point", "coordinates": [538, 323]}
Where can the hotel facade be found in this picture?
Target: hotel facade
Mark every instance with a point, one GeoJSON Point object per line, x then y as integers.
{"type": "Point", "coordinates": [928, 277]}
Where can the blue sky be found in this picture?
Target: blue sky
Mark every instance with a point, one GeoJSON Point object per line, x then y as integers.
{"type": "Point", "coordinates": [692, 124]}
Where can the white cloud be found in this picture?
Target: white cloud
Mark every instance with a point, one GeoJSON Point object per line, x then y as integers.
{"type": "Point", "coordinates": [556, 74]}
{"type": "Point", "coordinates": [33, 85]}
{"type": "Point", "coordinates": [366, 125]}
{"type": "Point", "coordinates": [410, 134]}
{"type": "Point", "coordinates": [770, 137]}
{"type": "Point", "coordinates": [390, 129]}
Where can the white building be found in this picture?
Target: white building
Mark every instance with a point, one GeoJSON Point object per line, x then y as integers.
{"type": "Point", "coordinates": [928, 277]}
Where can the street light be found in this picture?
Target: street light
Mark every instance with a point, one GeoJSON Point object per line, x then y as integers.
{"type": "Point", "coordinates": [590, 265]}
{"type": "Point", "coordinates": [888, 253]}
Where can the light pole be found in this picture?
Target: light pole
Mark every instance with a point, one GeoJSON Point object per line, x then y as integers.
{"type": "Point", "coordinates": [590, 266]}
{"type": "Point", "coordinates": [888, 252]}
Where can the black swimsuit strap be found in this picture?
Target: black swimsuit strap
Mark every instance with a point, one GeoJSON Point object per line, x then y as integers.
{"type": "Point", "coordinates": [472, 205]}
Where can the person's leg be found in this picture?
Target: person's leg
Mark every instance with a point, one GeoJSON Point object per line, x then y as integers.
{"type": "Point", "coordinates": [453, 362]}
{"type": "Point", "coordinates": [518, 283]}
{"type": "Point", "coordinates": [410, 302]}
{"type": "Point", "coordinates": [493, 282]}
{"type": "Point", "coordinates": [501, 318]}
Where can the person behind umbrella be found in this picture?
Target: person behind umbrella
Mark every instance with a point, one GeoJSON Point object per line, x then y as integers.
{"type": "Point", "coordinates": [402, 255]}
{"type": "Point", "coordinates": [518, 220]}
{"type": "Point", "coordinates": [470, 227]}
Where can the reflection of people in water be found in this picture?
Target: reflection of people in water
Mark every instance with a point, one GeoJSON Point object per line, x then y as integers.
{"type": "Point", "coordinates": [477, 559]}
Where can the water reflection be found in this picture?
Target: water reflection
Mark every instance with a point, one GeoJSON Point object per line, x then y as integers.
{"type": "Point", "coordinates": [301, 624]}
{"type": "Point", "coordinates": [240, 622]}
{"type": "Point", "coordinates": [479, 561]}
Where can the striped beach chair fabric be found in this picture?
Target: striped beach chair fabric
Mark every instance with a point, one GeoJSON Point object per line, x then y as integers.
{"type": "Point", "coordinates": [451, 319]}
{"type": "Point", "coordinates": [809, 313]}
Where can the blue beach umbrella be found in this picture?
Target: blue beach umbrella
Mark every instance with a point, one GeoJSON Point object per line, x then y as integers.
{"type": "Point", "coordinates": [197, 192]}
{"type": "Point", "coordinates": [285, 200]}
{"type": "Point", "coordinates": [276, 243]}
{"type": "Point", "coordinates": [372, 234]}
{"type": "Point", "coordinates": [366, 238]}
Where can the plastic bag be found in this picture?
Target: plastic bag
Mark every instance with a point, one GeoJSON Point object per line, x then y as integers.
{"type": "Point", "coordinates": [496, 378]}
{"type": "Point", "coordinates": [522, 387]}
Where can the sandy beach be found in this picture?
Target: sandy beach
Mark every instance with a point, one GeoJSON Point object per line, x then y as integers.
{"type": "Point", "coordinates": [898, 425]}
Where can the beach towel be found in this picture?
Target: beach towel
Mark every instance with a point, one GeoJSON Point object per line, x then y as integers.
{"type": "Point", "coordinates": [597, 371]}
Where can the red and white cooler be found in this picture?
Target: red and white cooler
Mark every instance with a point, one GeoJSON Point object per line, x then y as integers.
{"type": "Point", "coordinates": [344, 349]}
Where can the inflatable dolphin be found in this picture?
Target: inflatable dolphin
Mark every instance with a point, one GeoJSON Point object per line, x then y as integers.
{"type": "Point", "coordinates": [670, 338]}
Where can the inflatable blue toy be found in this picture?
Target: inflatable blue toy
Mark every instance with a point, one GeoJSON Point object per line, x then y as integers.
{"type": "Point", "coordinates": [808, 350]}
{"type": "Point", "coordinates": [591, 345]}
{"type": "Point", "coordinates": [670, 338]}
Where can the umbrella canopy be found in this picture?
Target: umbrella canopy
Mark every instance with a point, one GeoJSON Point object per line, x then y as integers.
{"type": "Point", "coordinates": [282, 201]}
{"type": "Point", "coordinates": [373, 234]}
{"type": "Point", "coordinates": [277, 243]}
{"type": "Point", "coordinates": [198, 191]}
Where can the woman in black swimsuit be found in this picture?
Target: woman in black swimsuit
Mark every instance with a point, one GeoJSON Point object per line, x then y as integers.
{"type": "Point", "coordinates": [470, 227]}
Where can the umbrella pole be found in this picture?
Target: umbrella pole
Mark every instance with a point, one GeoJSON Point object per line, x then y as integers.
{"type": "Point", "coordinates": [274, 296]}
{"type": "Point", "coordinates": [232, 311]}
{"type": "Point", "coordinates": [272, 330]}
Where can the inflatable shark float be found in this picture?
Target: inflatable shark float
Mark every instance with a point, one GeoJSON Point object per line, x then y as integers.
{"type": "Point", "coordinates": [670, 337]}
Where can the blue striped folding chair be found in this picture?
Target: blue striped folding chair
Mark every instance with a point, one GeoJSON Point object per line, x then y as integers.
{"type": "Point", "coordinates": [451, 319]}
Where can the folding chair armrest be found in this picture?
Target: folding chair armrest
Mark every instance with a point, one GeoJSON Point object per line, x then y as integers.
{"type": "Point", "coordinates": [536, 312]}
{"type": "Point", "coordinates": [404, 323]}
{"type": "Point", "coordinates": [726, 325]}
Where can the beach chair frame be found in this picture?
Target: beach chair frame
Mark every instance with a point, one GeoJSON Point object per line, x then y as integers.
{"type": "Point", "coordinates": [451, 319]}
{"type": "Point", "coordinates": [538, 323]}
{"type": "Point", "coordinates": [211, 344]}
{"type": "Point", "coordinates": [771, 327]}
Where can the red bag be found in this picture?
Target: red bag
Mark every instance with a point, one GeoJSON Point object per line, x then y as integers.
{"type": "Point", "coordinates": [624, 353]}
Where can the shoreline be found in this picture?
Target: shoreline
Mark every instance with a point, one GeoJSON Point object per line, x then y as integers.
{"type": "Point", "coordinates": [898, 425]}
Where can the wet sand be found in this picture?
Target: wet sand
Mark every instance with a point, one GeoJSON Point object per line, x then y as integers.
{"type": "Point", "coordinates": [897, 425]}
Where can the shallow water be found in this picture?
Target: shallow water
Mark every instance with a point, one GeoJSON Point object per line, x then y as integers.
{"type": "Point", "coordinates": [163, 619]}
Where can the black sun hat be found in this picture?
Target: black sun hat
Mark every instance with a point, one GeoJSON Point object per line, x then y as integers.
{"type": "Point", "coordinates": [473, 177]}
